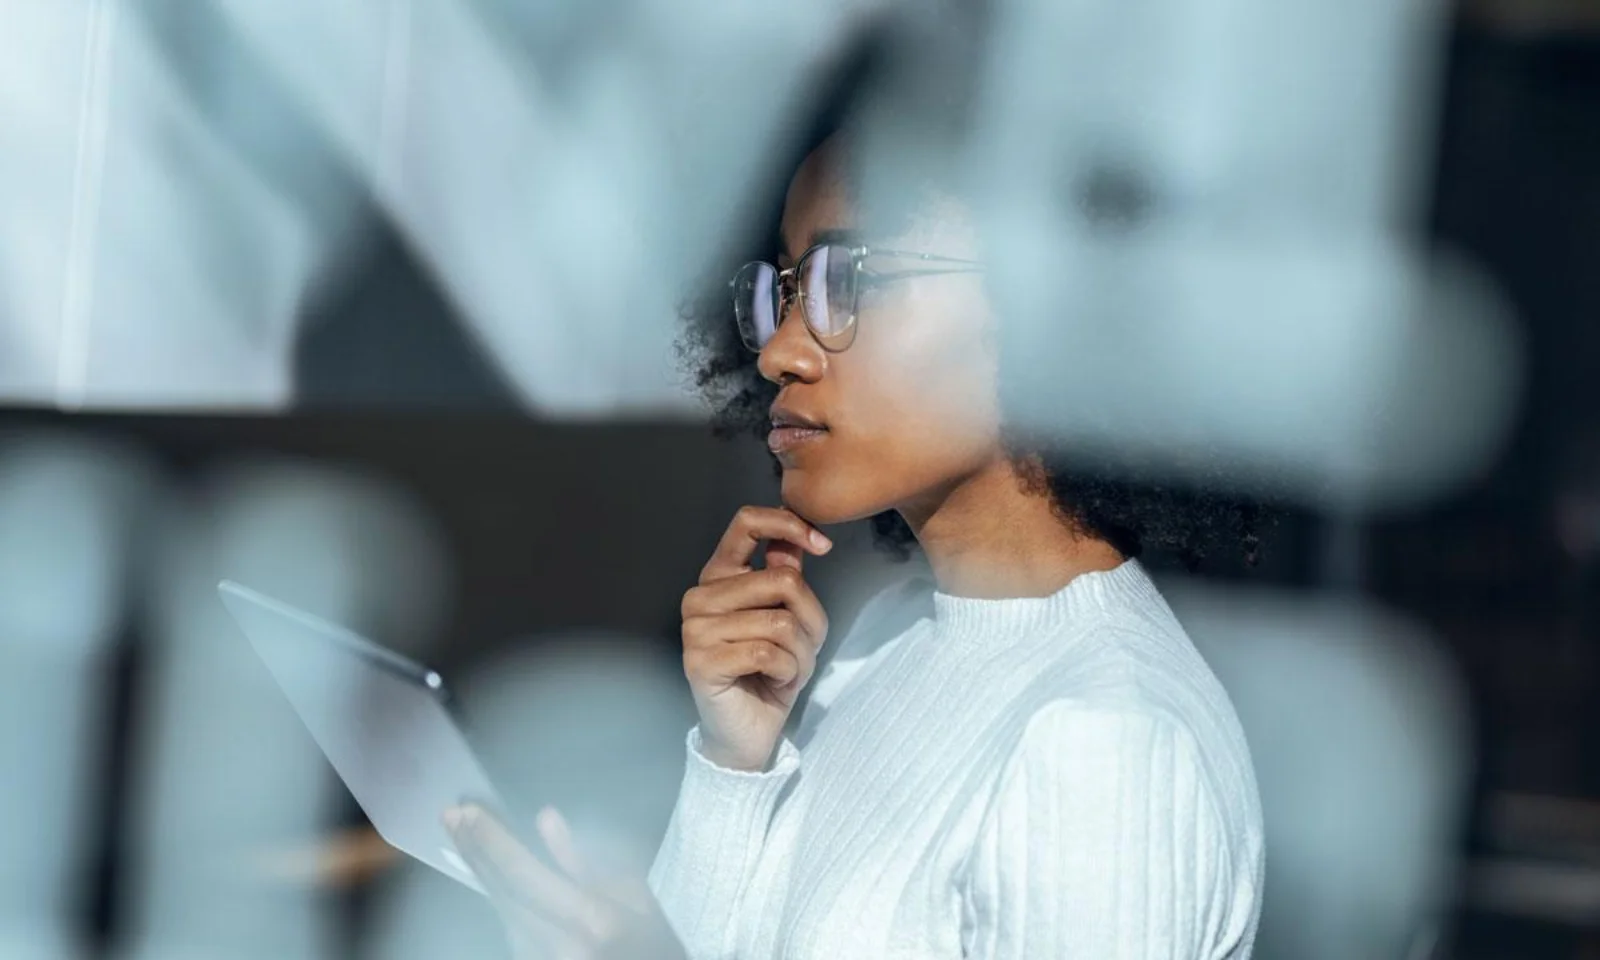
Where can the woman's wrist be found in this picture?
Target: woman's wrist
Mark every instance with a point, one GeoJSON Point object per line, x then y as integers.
{"type": "Point", "coordinates": [729, 757]}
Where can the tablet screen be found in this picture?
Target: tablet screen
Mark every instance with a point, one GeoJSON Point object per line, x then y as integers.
{"type": "Point", "coordinates": [380, 719]}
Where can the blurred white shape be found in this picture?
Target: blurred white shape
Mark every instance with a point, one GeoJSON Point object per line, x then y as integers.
{"type": "Point", "coordinates": [1231, 112]}
{"type": "Point", "coordinates": [159, 240]}
{"type": "Point", "coordinates": [1358, 729]}
{"type": "Point", "coordinates": [1200, 224]}
{"type": "Point", "coordinates": [68, 507]}
{"type": "Point", "coordinates": [226, 769]}
{"type": "Point", "coordinates": [166, 220]}
{"type": "Point", "coordinates": [592, 723]}
{"type": "Point", "coordinates": [1343, 375]}
{"type": "Point", "coordinates": [67, 510]}
{"type": "Point", "coordinates": [420, 913]}
{"type": "Point", "coordinates": [145, 262]}
{"type": "Point", "coordinates": [563, 223]}
{"type": "Point", "coordinates": [347, 547]}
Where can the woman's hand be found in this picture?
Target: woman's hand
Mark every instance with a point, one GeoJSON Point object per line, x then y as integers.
{"type": "Point", "coordinates": [565, 912]}
{"type": "Point", "coordinates": [751, 636]}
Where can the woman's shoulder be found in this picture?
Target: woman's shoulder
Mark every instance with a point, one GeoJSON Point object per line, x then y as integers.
{"type": "Point", "coordinates": [1080, 759]}
{"type": "Point", "coordinates": [1134, 676]}
{"type": "Point", "coordinates": [1080, 736]}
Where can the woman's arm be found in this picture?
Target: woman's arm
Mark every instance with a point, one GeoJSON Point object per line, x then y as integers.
{"type": "Point", "coordinates": [750, 642]}
{"type": "Point", "coordinates": [710, 851]}
{"type": "Point", "coordinates": [1104, 842]}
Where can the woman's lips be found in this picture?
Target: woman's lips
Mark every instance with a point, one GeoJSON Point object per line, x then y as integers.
{"type": "Point", "coordinates": [786, 438]}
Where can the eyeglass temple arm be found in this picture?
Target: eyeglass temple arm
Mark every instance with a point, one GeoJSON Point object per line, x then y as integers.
{"type": "Point", "coordinates": [925, 257]}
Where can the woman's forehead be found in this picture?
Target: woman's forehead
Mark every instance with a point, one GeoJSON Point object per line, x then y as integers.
{"type": "Point", "coordinates": [825, 200]}
{"type": "Point", "coordinates": [820, 200]}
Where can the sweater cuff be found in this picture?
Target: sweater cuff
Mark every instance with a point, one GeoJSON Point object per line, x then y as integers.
{"type": "Point", "coordinates": [714, 841]}
{"type": "Point", "coordinates": [730, 809]}
{"type": "Point", "coordinates": [785, 763]}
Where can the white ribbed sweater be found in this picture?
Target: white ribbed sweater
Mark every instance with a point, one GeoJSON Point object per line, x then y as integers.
{"type": "Point", "coordinates": [1027, 778]}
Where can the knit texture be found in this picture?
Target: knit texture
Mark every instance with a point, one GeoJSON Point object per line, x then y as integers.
{"type": "Point", "coordinates": [1044, 777]}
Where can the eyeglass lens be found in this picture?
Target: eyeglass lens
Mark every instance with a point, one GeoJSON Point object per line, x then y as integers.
{"type": "Point", "coordinates": [826, 282]}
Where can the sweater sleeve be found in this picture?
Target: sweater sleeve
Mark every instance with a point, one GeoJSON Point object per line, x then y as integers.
{"type": "Point", "coordinates": [711, 846]}
{"type": "Point", "coordinates": [1103, 842]}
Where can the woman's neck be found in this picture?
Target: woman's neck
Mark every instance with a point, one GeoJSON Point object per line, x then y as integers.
{"type": "Point", "coordinates": [995, 536]}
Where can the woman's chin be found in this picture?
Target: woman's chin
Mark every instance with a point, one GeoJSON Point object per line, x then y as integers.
{"type": "Point", "coordinates": [818, 504]}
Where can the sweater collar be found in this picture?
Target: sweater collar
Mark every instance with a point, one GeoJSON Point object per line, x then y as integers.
{"type": "Point", "coordinates": [1086, 594]}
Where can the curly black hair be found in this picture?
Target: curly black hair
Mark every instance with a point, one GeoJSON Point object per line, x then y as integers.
{"type": "Point", "coordinates": [1138, 516]}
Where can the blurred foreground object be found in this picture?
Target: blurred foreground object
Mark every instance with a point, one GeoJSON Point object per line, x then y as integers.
{"type": "Point", "coordinates": [161, 216]}
{"type": "Point", "coordinates": [179, 178]}
{"type": "Point", "coordinates": [1201, 222]}
{"type": "Point", "coordinates": [590, 722]}
{"type": "Point", "coordinates": [227, 770]}
{"type": "Point", "coordinates": [345, 859]}
{"type": "Point", "coordinates": [68, 534]}
{"type": "Point", "coordinates": [1204, 234]}
{"type": "Point", "coordinates": [1358, 728]}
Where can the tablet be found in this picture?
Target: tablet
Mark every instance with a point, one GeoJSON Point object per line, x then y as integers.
{"type": "Point", "coordinates": [383, 721]}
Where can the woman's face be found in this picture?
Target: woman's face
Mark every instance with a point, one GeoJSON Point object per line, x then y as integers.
{"type": "Point", "coordinates": [910, 408]}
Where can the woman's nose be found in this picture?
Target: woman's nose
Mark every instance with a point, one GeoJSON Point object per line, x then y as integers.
{"type": "Point", "coordinates": [792, 353]}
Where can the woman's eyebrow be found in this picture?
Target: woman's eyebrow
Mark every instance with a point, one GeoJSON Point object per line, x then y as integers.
{"type": "Point", "coordinates": [849, 238]}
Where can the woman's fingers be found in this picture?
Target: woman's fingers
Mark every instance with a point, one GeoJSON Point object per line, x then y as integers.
{"type": "Point", "coordinates": [774, 587]}
{"type": "Point", "coordinates": [782, 553]}
{"type": "Point", "coordinates": [722, 663]}
{"type": "Point", "coordinates": [513, 877]}
{"type": "Point", "coordinates": [739, 622]}
{"type": "Point", "coordinates": [769, 642]}
{"type": "Point", "coordinates": [558, 840]}
{"type": "Point", "coordinates": [579, 916]}
{"type": "Point", "coordinates": [752, 526]}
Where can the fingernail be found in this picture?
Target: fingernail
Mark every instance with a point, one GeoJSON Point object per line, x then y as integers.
{"type": "Point", "coordinates": [821, 543]}
{"type": "Point", "coordinates": [464, 815]}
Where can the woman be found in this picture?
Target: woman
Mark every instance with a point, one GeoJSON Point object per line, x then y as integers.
{"type": "Point", "coordinates": [1038, 764]}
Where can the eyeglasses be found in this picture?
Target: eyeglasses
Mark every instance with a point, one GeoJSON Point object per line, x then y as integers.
{"type": "Point", "coordinates": [828, 280]}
